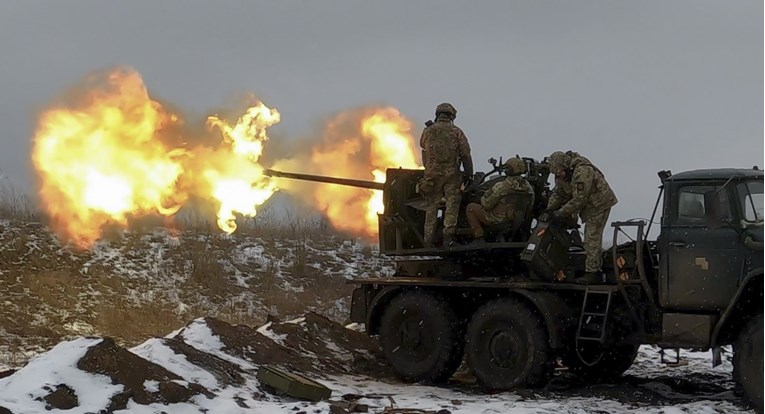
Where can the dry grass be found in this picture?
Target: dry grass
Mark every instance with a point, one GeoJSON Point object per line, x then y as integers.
{"type": "Point", "coordinates": [133, 323]}
{"type": "Point", "coordinates": [16, 205]}
{"type": "Point", "coordinates": [107, 302]}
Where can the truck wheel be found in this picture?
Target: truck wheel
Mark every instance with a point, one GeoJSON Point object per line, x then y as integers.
{"type": "Point", "coordinates": [593, 363]}
{"type": "Point", "coordinates": [748, 362]}
{"type": "Point", "coordinates": [421, 337]}
{"type": "Point", "coordinates": [507, 346]}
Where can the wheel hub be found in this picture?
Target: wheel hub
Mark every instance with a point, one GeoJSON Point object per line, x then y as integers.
{"type": "Point", "coordinates": [502, 347]}
{"type": "Point", "coordinates": [411, 334]}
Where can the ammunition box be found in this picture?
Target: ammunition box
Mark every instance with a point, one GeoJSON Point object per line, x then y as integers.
{"type": "Point", "coordinates": [546, 253]}
{"type": "Point", "coordinates": [294, 385]}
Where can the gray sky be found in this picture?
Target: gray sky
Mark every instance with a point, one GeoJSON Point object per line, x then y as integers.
{"type": "Point", "coordinates": [637, 86]}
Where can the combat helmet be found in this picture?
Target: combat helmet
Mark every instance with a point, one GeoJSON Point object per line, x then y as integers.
{"type": "Point", "coordinates": [515, 166]}
{"type": "Point", "coordinates": [559, 161]}
{"type": "Point", "coordinates": [446, 108]}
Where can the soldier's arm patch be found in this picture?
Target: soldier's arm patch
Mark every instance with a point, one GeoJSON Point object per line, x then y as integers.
{"type": "Point", "coordinates": [580, 186]}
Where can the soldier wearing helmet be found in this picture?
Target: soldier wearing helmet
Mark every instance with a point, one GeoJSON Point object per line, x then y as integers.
{"type": "Point", "coordinates": [444, 148]}
{"type": "Point", "coordinates": [507, 202]}
{"type": "Point", "coordinates": [581, 189]}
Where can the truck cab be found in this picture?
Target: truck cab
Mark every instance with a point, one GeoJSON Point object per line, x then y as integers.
{"type": "Point", "coordinates": [710, 220]}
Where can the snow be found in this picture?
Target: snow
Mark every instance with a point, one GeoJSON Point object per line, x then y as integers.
{"type": "Point", "coordinates": [154, 350]}
{"type": "Point", "coordinates": [198, 335]}
{"type": "Point", "coordinates": [265, 330]}
{"type": "Point", "coordinates": [58, 366]}
{"type": "Point", "coordinates": [22, 392]}
{"type": "Point", "coordinates": [457, 402]}
{"type": "Point", "coordinates": [151, 386]}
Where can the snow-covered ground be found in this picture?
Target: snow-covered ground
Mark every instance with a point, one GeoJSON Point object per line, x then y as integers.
{"type": "Point", "coordinates": [214, 364]}
{"type": "Point", "coordinates": [209, 366]}
{"type": "Point", "coordinates": [165, 278]}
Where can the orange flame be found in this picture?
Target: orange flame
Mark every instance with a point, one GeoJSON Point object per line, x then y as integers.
{"type": "Point", "coordinates": [358, 144]}
{"type": "Point", "coordinates": [113, 154]}
{"type": "Point", "coordinates": [238, 183]}
{"type": "Point", "coordinates": [103, 159]}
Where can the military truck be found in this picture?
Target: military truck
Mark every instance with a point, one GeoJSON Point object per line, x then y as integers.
{"type": "Point", "coordinates": [508, 306]}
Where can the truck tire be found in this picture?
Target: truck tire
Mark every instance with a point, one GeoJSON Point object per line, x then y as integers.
{"type": "Point", "coordinates": [507, 346]}
{"type": "Point", "coordinates": [602, 365]}
{"type": "Point", "coordinates": [748, 362]}
{"type": "Point", "coordinates": [421, 337]}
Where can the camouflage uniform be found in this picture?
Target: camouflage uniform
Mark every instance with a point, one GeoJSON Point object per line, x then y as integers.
{"type": "Point", "coordinates": [501, 204]}
{"type": "Point", "coordinates": [583, 191]}
{"type": "Point", "coordinates": [444, 147]}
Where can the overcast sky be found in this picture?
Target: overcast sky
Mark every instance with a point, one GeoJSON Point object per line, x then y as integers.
{"type": "Point", "coordinates": [637, 86]}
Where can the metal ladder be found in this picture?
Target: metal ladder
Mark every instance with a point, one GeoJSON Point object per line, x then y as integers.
{"type": "Point", "coordinates": [594, 316]}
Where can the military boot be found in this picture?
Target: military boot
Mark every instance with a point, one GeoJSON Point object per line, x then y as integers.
{"type": "Point", "coordinates": [590, 278]}
{"type": "Point", "coordinates": [477, 242]}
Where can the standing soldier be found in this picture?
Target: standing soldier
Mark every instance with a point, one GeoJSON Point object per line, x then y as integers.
{"type": "Point", "coordinates": [444, 148]}
{"type": "Point", "coordinates": [581, 188]}
{"type": "Point", "coordinates": [507, 202]}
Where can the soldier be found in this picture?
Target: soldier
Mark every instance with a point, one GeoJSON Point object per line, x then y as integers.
{"type": "Point", "coordinates": [507, 202]}
{"type": "Point", "coordinates": [581, 188]}
{"type": "Point", "coordinates": [444, 148]}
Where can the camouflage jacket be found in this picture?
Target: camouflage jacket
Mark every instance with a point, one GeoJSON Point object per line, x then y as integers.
{"type": "Point", "coordinates": [443, 145]}
{"type": "Point", "coordinates": [498, 200]}
{"type": "Point", "coordinates": [586, 192]}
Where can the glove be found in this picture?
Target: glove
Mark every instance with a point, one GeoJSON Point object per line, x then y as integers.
{"type": "Point", "coordinates": [466, 181]}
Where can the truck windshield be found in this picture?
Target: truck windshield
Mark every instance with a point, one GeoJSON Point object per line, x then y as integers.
{"type": "Point", "coordinates": [750, 197]}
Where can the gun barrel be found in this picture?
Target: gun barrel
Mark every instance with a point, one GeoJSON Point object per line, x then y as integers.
{"type": "Point", "coordinates": [329, 180]}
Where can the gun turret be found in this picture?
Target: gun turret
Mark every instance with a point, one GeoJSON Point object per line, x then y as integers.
{"type": "Point", "coordinates": [323, 179]}
{"type": "Point", "coordinates": [402, 218]}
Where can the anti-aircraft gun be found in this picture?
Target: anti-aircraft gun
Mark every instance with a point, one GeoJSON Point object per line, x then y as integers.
{"type": "Point", "coordinates": [403, 219]}
{"type": "Point", "coordinates": [402, 222]}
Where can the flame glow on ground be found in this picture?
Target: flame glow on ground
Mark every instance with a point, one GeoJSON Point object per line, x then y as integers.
{"type": "Point", "coordinates": [111, 153]}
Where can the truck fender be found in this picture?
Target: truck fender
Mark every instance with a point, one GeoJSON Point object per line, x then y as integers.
{"type": "Point", "coordinates": [558, 316]}
{"type": "Point", "coordinates": [729, 314]}
{"type": "Point", "coordinates": [376, 307]}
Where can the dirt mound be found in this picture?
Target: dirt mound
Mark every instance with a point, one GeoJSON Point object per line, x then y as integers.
{"type": "Point", "coordinates": [225, 372]}
{"type": "Point", "coordinates": [63, 398]}
{"type": "Point", "coordinates": [311, 344]}
{"type": "Point", "coordinates": [247, 343]}
{"type": "Point", "coordinates": [134, 374]}
{"type": "Point", "coordinates": [330, 347]}
{"type": "Point", "coordinates": [205, 362]}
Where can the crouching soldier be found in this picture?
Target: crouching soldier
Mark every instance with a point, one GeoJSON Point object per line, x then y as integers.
{"type": "Point", "coordinates": [505, 204]}
{"type": "Point", "coordinates": [581, 189]}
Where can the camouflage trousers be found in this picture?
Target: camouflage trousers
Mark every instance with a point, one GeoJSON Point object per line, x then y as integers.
{"type": "Point", "coordinates": [477, 216]}
{"type": "Point", "coordinates": [447, 188]}
{"type": "Point", "coordinates": [593, 239]}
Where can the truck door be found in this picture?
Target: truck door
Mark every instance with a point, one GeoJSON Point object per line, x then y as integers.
{"type": "Point", "coordinates": [703, 257]}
